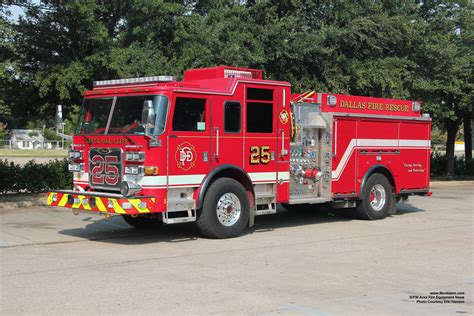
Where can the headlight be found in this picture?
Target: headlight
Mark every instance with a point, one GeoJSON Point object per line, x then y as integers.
{"type": "Point", "coordinates": [129, 188]}
{"type": "Point", "coordinates": [134, 156]}
{"type": "Point", "coordinates": [135, 170]}
{"type": "Point", "coordinates": [74, 154]}
{"type": "Point", "coordinates": [75, 167]}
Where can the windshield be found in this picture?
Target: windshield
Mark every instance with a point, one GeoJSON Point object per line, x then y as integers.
{"type": "Point", "coordinates": [96, 118]}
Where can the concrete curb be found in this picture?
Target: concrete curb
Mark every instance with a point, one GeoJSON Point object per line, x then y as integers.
{"type": "Point", "coordinates": [23, 200]}
{"type": "Point", "coordinates": [444, 184]}
{"type": "Point", "coordinates": [38, 200]}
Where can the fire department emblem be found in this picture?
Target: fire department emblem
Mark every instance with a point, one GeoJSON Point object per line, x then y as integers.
{"type": "Point", "coordinates": [284, 116]}
{"type": "Point", "coordinates": [185, 156]}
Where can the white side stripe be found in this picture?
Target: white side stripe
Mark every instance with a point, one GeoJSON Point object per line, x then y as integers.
{"type": "Point", "coordinates": [186, 179]}
{"type": "Point", "coordinates": [196, 179]}
{"type": "Point", "coordinates": [414, 143]}
{"type": "Point", "coordinates": [284, 175]}
{"type": "Point", "coordinates": [153, 180]}
{"type": "Point", "coordinates": [368, 143]}
{"type": "Point", "coordinates": [263, 176]}
{"type": "Point", "coordinates": [376, 142]}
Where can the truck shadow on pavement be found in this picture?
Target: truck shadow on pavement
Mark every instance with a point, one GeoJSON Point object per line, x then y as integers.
{"type": "Point", "coordinates": [115, 230]}
{"type": "Point", "coordinates": [407, 208]}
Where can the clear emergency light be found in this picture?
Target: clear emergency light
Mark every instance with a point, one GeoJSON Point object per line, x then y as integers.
{"type": "Point", "coordinates": [415, 106]}
{"type": "Point", "coordinates": [232, 73]}
{"type": "Point", "coordinates": [139, 80]}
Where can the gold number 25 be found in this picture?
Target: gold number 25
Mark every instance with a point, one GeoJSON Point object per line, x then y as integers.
{"type": "Point", "coordinates": [259, 154]}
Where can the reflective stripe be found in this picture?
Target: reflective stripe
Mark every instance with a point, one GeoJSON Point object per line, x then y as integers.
{"type": "Point", "coordinates": [135, 203]}
{"type": "Point", "coordinates": [414, 143]}
{"type": "Point", "coordinates": [76, 205]}
{"type": "Point", "coordinates": [117, 208]}
{"type": "Point", "coordinates": [85, 206]}
{"type": "Point", "coordinates": [50, 198]}
{"type": "Point", "coordinates": [153, 180]}
{"type": "Point", "coordinates": [100, 205]}
{"type": "Point", "coordinates": [63, 200]}
{"type": "Point", "coordinates": [186, 179]}
{"type": "Point", "coordinates": [377, 143]}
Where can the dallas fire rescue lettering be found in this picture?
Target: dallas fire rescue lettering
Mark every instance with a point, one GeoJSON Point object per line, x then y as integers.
{"type": "Point", "coordinates": [364, 105]}
{"type": "Point", "coordinates": [185, 156]}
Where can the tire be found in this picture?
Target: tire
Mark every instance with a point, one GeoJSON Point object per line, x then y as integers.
{"type": "Point", "coordinates": [376, 198]}
{"type": "Point", "coordinates": [221, 216]}
{"type": "Point", "coordinates": [142, 221]}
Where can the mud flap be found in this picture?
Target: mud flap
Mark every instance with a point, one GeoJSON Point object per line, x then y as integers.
{"type": "Point", "coordinates": [252, 216]}
{"type": "Point", "coordinates": [392, 208]}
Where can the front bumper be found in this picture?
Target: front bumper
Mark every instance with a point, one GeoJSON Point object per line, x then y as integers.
{"type": "Point", "coordinates": [102, 202]}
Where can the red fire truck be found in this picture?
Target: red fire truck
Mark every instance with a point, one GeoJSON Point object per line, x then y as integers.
{"type": "Point", "coordinates": [224, 145]}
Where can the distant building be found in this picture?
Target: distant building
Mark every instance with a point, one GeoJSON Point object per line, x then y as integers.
{"type": "Point", "coordinates": [28, 139]}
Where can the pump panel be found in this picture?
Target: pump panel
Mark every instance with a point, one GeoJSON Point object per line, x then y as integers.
{"type": "Point", "coordinates": [310, 155]}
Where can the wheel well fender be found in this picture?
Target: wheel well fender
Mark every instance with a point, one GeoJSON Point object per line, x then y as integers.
{"type": "Point", "coordinates": [229, 171]}
{"type": "Point", "coordinates": [378, 169]}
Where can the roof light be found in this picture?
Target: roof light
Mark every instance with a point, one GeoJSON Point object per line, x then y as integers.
{"type": "Point", "coordinates": [415, 106]}
{"type": "Point", "coordinates": [232, 73]}
{"type": "Point", "coordinates": [332, 100]}
{"type": "Point", "coordinates": [114, 82]}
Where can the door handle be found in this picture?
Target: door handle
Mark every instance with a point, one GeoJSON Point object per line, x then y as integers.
{"type": "Point", "coordinates": [284, 152]}
{"type": "Point", "coordinates": [216, 155]}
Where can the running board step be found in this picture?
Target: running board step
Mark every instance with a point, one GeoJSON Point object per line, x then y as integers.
{"type": "Point", "coordinates": [175, 217]}
{"type": "Point", "coordinates": [265, 209]}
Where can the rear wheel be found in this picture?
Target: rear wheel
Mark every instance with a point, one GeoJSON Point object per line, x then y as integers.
{"type": "Point", "coordinates": [142, 221]}
{"type": "Point", "coordinates": [225, 210]}
{"type": "Point", "coordinates": [376, 198]}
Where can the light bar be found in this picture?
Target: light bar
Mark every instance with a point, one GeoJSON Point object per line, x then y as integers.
{"type": "Point", "coordinates": [115, 82]}
{"type": "Point", "coordinates": [232, 73]}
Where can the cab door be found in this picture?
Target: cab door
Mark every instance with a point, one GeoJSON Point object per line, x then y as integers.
{"type": "Point", "coordinates": [227, 134]}
{"type": "Point", "coordinates": [260, 132]}
{"type": "Point", "coordinates": [189, 141]}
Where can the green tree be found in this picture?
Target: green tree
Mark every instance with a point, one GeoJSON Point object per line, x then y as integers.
{"type": "Point", "coordinates": [445, 61]}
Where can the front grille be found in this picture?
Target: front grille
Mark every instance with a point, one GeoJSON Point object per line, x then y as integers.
{"type": "Point", "coordinates": [105, 168]}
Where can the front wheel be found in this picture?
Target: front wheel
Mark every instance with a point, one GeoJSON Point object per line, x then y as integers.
{"type": "Point", "coordinates": [225, 210]}
{"type": "Point", "coordinates": [376, 198]}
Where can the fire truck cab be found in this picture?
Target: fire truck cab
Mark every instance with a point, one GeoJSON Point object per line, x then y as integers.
{"type": "Point", "coordinates": [224, 145]}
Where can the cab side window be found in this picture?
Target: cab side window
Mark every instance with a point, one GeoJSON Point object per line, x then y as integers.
{"type": "Point", "coordinates": [259, 110]}
{"type": "Point", "coordinates": [189, 115]}
{"type": "Point", "coordinates": [232, 117]}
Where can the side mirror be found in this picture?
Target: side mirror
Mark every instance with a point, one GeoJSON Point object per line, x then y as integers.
{"type": "Point", "coordinates": [148, 117]}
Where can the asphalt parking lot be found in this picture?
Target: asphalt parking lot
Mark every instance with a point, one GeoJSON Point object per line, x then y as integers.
{"type": "Point", "coordinates": [307, 263]}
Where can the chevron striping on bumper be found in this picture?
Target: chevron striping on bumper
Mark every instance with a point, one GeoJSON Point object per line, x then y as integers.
{"type": "Point", "coordinates": [100, 205]}
{"type": "Point", "coordinates": [117, 208]}
{"type": "Point", "coordinates": [63, 200]}
{"type": "Point", "coordinates": [135, 203]}
{"type": "Point", "coordinates": [50, 198]}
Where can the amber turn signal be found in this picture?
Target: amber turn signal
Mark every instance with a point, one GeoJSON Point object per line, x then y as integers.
{"type": "Point", "coordinates": [151, 170]}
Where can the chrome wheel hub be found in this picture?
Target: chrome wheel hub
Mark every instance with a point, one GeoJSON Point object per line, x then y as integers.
{"type": "Point", "coordinates": [377, 197]}
{"type": "Point", "coordinates": [228, 209]}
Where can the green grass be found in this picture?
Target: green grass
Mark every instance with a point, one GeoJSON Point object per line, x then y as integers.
{"type": "Point", "coordinates": [5, 153]}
